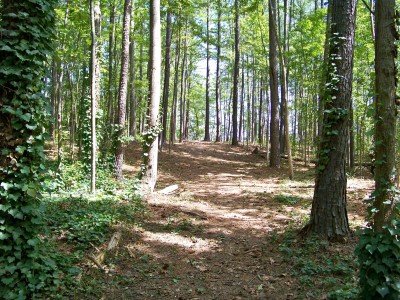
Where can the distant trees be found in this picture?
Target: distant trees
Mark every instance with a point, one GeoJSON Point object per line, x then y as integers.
{"type": "Point", "coordinates": [242, 47]}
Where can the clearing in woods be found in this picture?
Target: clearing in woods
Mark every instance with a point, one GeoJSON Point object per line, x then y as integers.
{"type": "Point", "coordinates": [228, 231]}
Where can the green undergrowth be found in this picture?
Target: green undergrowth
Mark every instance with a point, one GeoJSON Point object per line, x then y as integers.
{"type": "Point", "coordinates": [287, 199]}
{"type": "Point", "coordinates": [77, 221]}
{"type": "Point", "coordinates": [325, 270]}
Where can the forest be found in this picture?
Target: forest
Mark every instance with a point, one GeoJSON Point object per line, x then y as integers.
{"type": "Point", "coordinates": [197, 149]}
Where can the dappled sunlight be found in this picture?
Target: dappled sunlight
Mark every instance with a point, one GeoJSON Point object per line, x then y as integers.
{"type": "Point", "coordinates": [195, 244]}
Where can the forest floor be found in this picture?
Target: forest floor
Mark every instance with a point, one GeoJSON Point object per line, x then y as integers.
{"type": "Point", "coordinates": [228, 232]}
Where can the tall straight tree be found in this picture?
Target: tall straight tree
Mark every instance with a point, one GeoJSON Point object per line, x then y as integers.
{"type": "Point", "coordinates": [378, 251]}
{"type": "Point", "coordinates": [151, 160]}
{"type": "Point", "coordinates": [273, 74]}
{"type": "Point", "coordinates": [95, 15]}
{"type": "Point", "coordinates": [167, 75]}
{"type": "Point", "coordinates": [111, 55]}
{"type": "Point", "coordinates": [207, 121]}
{"type": "Point", "coordinates": [132, 88]}
{"type": "Point", "coordinates": [329, 213]}
{"type": "Point", "coordinates": [123, 90]}
{"type": "Point", "coordinates": [385, 112]}
{"type": "Point", "coordinates": [218, 76]}
{"type": "Point", "coordinates": [235, 96]}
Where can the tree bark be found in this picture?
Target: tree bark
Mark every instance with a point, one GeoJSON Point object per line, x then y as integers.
{"type": "Point", "coordinates": [167, 75]}
{"type": "Point", "coordinates": [207, 120]}
{"type": "Point", "coordinates": [218, 79]}
{"type": "Point", "coordinates": [235, 96]}
{"type": "Point", "coordinates": [385, 112]}
{"type": "Point", "coordinates": [273, 70]}
{"type": "Point", "coordinates": [123, 90]}
{"type": "Point", "coordinates": [329, 213]}
{"type": "Point", "coordinates": [172, 126]}
{"type": "Point", "coordinates": [95, 82]}
{"type": "Point", "coordinates": [155, 93]}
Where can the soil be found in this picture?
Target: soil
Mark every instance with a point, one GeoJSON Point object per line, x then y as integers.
{"type": "Point", "coordinates": [217, 235]}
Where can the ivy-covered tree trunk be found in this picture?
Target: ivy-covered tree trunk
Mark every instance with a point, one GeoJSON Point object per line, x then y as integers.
{"type": "Point", "coordinates": [24, 48]}
{"type": "Point", "coordinates": [378, 251]}
{"type": "Point", "coordinates": [329, 213]}
{"type": "Point", "coordinates": [111, 55]}
{"type": "Point", "coordinates": [123, 90]}
{"type": "Point", "coordinates": [385, 112]}
{"type": "Point", "coordinates": [95, 16]}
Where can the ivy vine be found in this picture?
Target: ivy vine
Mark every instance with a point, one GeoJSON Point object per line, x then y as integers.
{"type": "Point", "coordinates": [147, 139]}
{"type": "Point", "coordinates": [26, 34]}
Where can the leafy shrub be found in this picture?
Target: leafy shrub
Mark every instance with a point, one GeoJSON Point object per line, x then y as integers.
{"type": "Point", "coordinates": [379, 258]}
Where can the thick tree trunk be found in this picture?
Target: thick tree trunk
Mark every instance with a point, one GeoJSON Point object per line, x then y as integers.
{"type": "Point", "coordinates": [385, 112]}
{"type": "Point", "coordinates": [155, 93]}
{"type": "Point", "coordinates": [329, 213]}
{"type": "Point", "coordinates": [235, 96]}
{"type": "Point", "coordinates": [123, 90]}
{"type": "Point", "coordinates": [273, 70]}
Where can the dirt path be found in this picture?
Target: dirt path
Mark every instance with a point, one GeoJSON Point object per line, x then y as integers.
{"type": "Point", "coordinates": [217, 236]}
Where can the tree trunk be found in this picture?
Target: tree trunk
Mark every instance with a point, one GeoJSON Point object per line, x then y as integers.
{"type": "Point", "coordinates": [385, 112]}
{"type": "Point", "coordinates": [167, 75]}
{"type": "Point", "coordinates": [111, 40]}
{"type": "Point", "coordinates": [218, 79]}
{"type": "Point", "coordinates": [132, 87]}
{"type": "Point", "coordinates": [182, 108]}
{"type": "Point", "coordinates": [207, 121]}
{"type": "Point", "coordinates": [273, 69]}
{"type": "Point", "coordinates": [151, 160]}
{"type": "Point", "coordinates": [235, 96]}
{"type": "Point", "coordinates": [285, 104]}
{"type": "Point", "coordinates": [172, 126]}
{"type": "Point", "coordinates": [95, 82]}
{"type": "Point", "coordinates": [329, 213]}
{"type": "Point", "coordinates": [123, 90]}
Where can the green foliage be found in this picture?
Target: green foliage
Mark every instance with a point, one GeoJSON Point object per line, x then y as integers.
{"type": "Point", "coordinates": [379, 258]}
{"type": "Point", "coordinates": [84, 222]}
{"type": "Point", "coordinates": [78, 220]}
{"type": "Point", "coordinates": [26, 30]}
{"type": "Point", "coordinates": [287, 199]}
